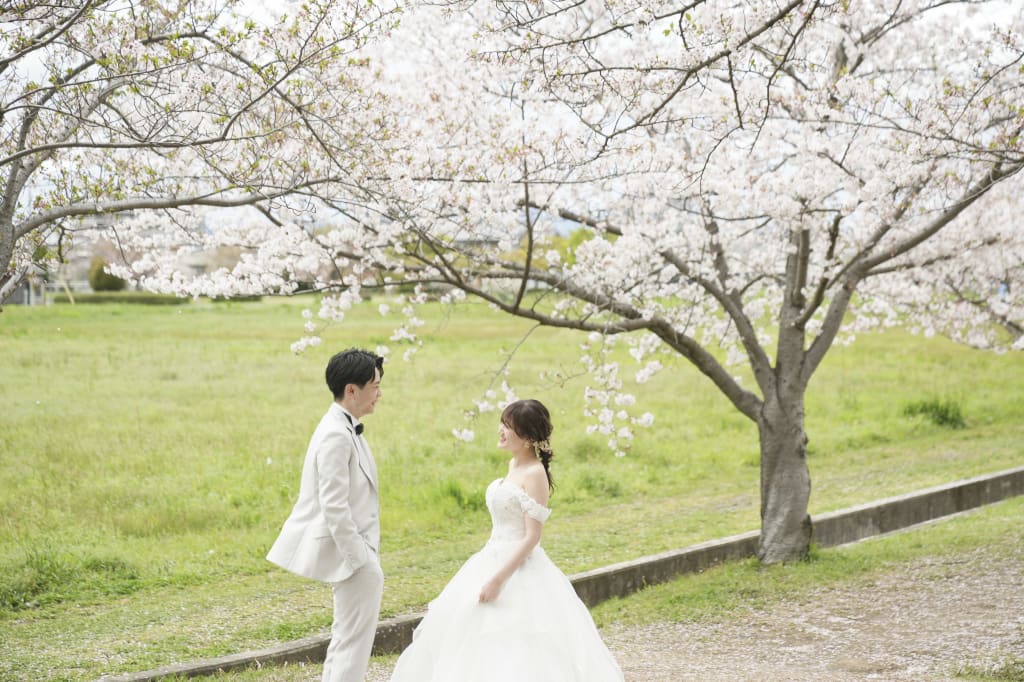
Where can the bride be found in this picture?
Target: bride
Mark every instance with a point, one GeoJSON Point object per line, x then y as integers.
{"type": "Point", "coordinates": [509, 614]}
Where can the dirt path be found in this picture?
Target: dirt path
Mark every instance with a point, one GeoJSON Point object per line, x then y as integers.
{"type": "Point", "coordinates": [924, 622]}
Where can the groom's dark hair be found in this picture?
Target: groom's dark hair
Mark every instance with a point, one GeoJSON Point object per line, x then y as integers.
{"type": "Point", "coordinates": [352, 366]}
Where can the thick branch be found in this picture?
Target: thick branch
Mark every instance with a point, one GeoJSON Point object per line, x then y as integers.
{"type": "Point", "coordinates": [729, 300]}
{"type": "Point", "coordinates": [216, 198]}
{"type": "Point", "coordinates": [745, 401]}
{"type": "Point", "coordinates": [824, 282]}
{"type": "Point", "coordinates": [829, 327]}
{"type": "Point", "coordinates": [991, 178]}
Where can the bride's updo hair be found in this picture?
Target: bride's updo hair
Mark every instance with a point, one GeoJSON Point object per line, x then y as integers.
{"type": "Point", "coordinates": [531, 421]}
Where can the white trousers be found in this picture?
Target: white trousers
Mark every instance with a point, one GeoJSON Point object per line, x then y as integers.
{"type": "Point", "coordinates": [356, 607]}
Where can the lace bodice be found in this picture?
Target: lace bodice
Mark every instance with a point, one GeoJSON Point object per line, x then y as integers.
{"type": "Point", "coordinates": [507, 503]}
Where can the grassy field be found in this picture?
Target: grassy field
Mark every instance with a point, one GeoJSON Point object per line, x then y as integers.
{"type": "Point", "coordinates": [148, 456]}
{"type": "Point", "coordinates": [734, 589]}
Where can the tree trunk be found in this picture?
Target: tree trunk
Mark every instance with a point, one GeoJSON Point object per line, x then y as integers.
{"type": "Point", "coordinates": [785, 482]}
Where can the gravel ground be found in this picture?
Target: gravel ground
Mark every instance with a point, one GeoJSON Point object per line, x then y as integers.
{"type": "Point", "coordinates": [924, 622]}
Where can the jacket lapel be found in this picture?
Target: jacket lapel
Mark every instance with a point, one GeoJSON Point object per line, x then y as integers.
{"type": "Point", "coordinates": [366, 462]}
{"type": "Point", "coordinates": [363, 455]}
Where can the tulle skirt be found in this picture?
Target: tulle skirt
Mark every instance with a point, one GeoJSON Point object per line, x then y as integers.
{"type": "Point", "coordinates": [537, 630]}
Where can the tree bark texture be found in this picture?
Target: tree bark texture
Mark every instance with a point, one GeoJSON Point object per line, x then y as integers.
{"type": "Point", "coordinates": [785, 482]}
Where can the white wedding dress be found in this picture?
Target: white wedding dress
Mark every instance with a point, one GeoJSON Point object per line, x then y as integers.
{"type": "Point", "coordinates": [537, 630]}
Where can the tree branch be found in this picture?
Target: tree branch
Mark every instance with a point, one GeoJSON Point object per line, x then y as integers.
{"type": "Point", "coordinates": [216, 198]}
{"type": "Point", "coordinates": [987, 182]}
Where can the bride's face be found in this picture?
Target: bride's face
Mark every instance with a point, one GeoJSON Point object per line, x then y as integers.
{"type": "Point", "coordinates": [510, 440]}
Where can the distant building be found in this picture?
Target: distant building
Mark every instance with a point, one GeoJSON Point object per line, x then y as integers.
{"type": "Point", "coordinates": [31, 291]}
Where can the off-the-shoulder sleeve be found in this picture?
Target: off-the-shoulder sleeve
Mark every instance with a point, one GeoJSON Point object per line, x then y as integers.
{"type": "Point", "coordinates": [533, 508]}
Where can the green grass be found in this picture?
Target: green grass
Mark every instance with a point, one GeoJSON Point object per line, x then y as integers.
{"type": "Point", "coordinates": [942, 413]}
{"type": "Point", "coordinates": [148, 456]}
{"type": "Point", "coordinates": [735, 587]}
{"type": "Point", "coordinates": [731, 590]}
{"type": "Point", "coordinates": [1008, 671]}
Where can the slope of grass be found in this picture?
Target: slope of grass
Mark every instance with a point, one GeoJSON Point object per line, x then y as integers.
{"type": "Point", "coordinates": [149, 455]}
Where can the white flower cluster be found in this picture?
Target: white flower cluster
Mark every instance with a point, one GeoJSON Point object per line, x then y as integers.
{"type": "Point", "coordinates": [606, 403]}
{"type": "Point", "coordinates": [490, 402]}
{"type": "Point", "coordinates": [304, 343]}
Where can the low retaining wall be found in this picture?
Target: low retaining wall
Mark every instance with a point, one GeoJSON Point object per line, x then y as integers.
{"type": "Point", "coordinates": [894, 513]}
{"type": "Point", "coordinates": [618, 580]}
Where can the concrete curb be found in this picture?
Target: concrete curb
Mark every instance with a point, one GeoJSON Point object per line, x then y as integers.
{"type": "Point", "coordinates": [617, 580]}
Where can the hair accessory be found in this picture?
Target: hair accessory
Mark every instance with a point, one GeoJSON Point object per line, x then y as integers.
{"type": "Point", "coordinates": [540, 445]}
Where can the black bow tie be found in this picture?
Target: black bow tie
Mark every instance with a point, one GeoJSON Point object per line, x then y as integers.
{"type": "Point", "coordinates": [358, 427]}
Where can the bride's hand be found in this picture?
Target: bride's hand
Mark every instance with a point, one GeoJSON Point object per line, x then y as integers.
{"type": "Point", "coordinates": [490, 590]}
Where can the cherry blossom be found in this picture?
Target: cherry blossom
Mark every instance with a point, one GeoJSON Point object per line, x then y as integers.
{"type": "Point", "coordinates": [739, 185]}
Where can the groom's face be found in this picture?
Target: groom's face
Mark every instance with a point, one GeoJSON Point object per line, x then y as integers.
{"type": "Point", "coordinates": [364, 398]}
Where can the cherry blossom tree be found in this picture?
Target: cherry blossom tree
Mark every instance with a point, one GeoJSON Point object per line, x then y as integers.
{"type": "Point", "coordinates": [742, 184]}
{"type": "Point", "coordinates": [118, 106]}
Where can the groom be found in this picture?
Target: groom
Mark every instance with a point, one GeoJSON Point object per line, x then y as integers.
{"type": "Point", "coordinates": [333, 533]}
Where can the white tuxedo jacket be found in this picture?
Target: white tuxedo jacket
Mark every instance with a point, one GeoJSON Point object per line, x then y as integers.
{"type": "Point", "coordinates": [335, 525]}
